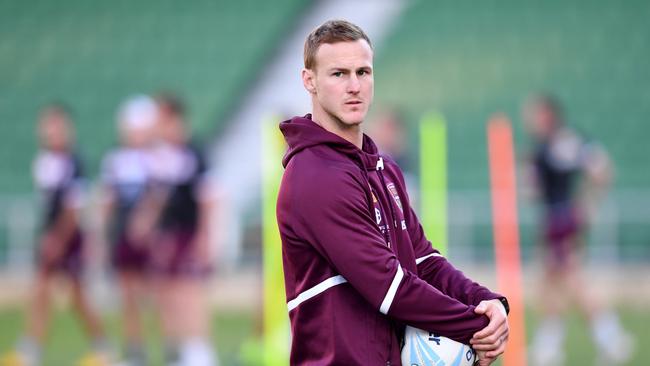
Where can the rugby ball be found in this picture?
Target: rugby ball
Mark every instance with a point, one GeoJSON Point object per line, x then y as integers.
{"type": "Point", "coordinates": [423, 348]}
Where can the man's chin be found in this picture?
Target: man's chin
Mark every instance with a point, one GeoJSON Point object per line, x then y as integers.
{"type": "Point", "coordinates": [353, 123]}
{"type": "Point", "coordinates": [353, 120]}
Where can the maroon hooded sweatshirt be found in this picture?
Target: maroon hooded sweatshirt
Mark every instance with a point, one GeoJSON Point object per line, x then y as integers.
{"type": "Point", "coordinates": [357, 265]}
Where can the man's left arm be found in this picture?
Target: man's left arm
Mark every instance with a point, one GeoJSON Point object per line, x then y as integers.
{"type": "Point", "coordinates": [433, 268]}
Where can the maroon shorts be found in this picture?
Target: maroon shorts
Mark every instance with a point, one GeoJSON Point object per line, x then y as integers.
{"type": "Point", "coordinates": [173, 254]}
{"type": "Point", "coordinates": [562, 227]}
{"type": "Point", "coordinates": [70, 263]}
{"type": "Point", "coordinates": [129, 256]}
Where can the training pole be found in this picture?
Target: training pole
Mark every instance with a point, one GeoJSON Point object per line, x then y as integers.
{"type": "Point", "coordinates": [506, 233]}
{"type": "Point", "coordinates": [433, 179]}
{"type": "Point", "coordinates": [276, 319]}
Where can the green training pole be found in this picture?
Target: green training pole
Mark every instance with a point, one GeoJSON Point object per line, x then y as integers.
{"type": "Point", "coordinates": [433, 179]}
{"type": "Point", "coordinates": [276, 318]}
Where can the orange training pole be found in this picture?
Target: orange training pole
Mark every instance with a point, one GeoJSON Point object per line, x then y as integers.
{"type": "Point", "coordinates": [506, 233]}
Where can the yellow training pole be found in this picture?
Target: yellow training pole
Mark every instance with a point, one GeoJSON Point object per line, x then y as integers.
{"type": "Point", "coordinates": [433, 179]}
{"type": "Point", "coordinates": [276, 319]}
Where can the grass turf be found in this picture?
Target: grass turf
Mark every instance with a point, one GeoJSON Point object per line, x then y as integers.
{"type": "Point", "coordinates": [231, 330]}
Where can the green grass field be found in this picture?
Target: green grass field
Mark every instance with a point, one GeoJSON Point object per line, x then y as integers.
{"type": "Point", "coordinates": [66, 342]}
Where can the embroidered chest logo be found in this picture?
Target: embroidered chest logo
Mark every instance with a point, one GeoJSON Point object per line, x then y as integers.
{"type": "Point", "coordinates": [393, 192]}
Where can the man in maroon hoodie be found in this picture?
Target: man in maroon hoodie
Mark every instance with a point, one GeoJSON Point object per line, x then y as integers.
{"type": "Point", "coordinates": [357, 264]}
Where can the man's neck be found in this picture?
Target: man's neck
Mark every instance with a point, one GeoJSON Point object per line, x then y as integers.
{"type": "Point", "coordinates": [351, 133]}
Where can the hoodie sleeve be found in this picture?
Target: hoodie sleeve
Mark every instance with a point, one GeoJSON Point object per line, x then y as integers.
{"type": "Point", "coordinates": [331, 212]}
{"type": "Point", "coordinates": [439, 273]}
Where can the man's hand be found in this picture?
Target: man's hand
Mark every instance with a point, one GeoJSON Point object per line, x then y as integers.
{"type": "Point", "coordinates": [490, 342]}
{"type": "Point", "coordinates": [483, 360]}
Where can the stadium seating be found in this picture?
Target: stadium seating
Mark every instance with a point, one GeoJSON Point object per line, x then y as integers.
{"type": "Point", "coordinates": [466, 59]}
{"type": "Point", "coordinates": [472, 59]}
{"type": "Point", "coordinates": [92, 55]}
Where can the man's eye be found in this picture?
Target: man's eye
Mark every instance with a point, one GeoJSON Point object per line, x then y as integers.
{"type": "Point", "coordinates": [338, 74]}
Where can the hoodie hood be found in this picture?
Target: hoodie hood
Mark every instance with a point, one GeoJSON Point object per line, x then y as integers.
{"type": "Point", "coordinates": [301, 133]}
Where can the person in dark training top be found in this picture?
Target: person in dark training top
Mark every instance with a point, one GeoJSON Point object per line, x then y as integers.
{"type": "Point", "coordinates": [125, 183]}
{"type": "Point", "coordinates": [180, 206]}
{"type": "Point", "coordinates": [568, 173]}
{"type": "Point", "coordinates": [357, 264]}
{"type": "Point", "coordinates": [59, 178]}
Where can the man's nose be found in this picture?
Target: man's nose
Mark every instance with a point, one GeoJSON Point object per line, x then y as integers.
{"type": "Point", "coordinates": [354, 84]}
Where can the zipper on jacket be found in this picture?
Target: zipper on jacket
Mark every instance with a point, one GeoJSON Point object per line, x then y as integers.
{"type": "Point", "coordinates": [380, 164]}
{"type": "Point", "coordinates": [380, 167]}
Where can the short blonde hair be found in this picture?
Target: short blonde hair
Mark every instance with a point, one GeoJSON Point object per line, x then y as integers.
{"type": "Point", "coordinates": [332, 31]}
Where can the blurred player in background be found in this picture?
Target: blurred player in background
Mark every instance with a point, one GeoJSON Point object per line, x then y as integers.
{"type": "Point", "coordinates": [125, 179]}
{"type": "Point", "coordinates": [58, 175]}
{"type": "Point", "coordinates": [388, 131]}
{"type": "Point", "coordinates": [182, 207]}
{"type": "Point", "coordinates": [568, 172]}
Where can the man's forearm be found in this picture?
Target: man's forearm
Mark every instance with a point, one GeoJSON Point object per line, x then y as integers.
{"type": "Point", "coordinates": [441, 274]}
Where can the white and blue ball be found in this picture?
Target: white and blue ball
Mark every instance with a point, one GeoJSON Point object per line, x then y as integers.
{"type": "Point", "coordinates": [423, 348]}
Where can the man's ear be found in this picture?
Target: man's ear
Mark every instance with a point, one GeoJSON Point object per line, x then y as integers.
{"type": "Point", "coordinates": [308, 80]}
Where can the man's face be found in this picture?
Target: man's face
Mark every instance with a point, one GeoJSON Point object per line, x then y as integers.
{"type": "Point", "coordinates": [342, 81]}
